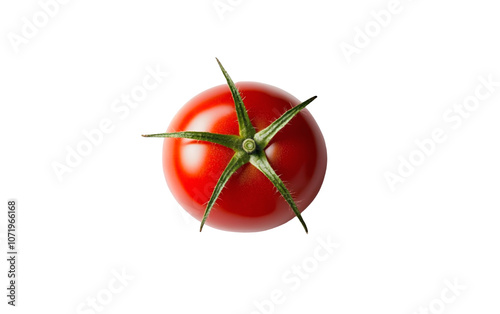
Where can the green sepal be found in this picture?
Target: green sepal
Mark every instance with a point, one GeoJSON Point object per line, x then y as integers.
{"type": "Point", "coordinates": [260, 162]}
{"type": "Point", "coordinates": [264, 136]}
{"type": "Point", "coordinates": [245, 126]}
{"type": "Point", "coordinates": [238, 160]}
{"type": "Point", "coordinates": [227, 140]}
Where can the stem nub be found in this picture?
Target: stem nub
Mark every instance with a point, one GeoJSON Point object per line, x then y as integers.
{"type": "Point", "coordinates": [249, 145]}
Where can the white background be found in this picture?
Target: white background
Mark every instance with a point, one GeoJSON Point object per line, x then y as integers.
{"type": "Point", "coordinates": [399, 250]}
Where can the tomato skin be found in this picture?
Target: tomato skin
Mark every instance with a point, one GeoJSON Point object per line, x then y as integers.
{"type": "Point", "coordinates": [249, 202]}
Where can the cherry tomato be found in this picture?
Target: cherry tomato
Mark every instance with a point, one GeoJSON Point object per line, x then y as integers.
{"type": "Point", "coordinates": [249, 201]}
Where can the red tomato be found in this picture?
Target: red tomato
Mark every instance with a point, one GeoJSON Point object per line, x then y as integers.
{"type": "Point", "coordinates": [249, 201]}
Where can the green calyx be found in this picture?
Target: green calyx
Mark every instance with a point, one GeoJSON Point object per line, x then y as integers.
{"type": "Point", "coordinates": [248, 147]}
